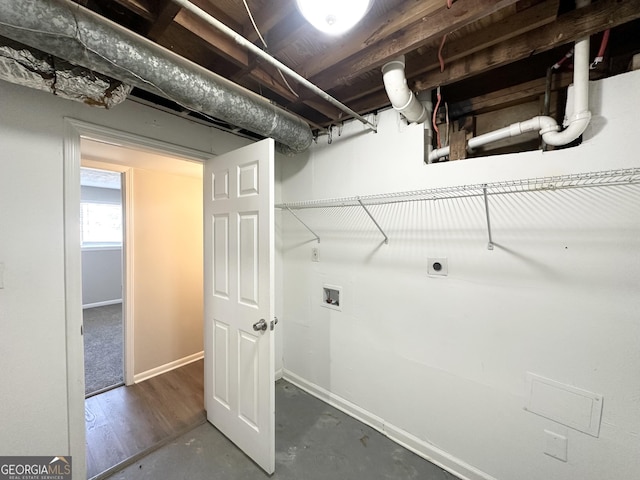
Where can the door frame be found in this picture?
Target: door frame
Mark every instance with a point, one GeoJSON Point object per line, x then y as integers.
{"type": "Point", "coordinates": [74, 131]}
{"type": "Point", "coordinates": [126, 260]}
{"type": "Point", "coordinates": [126, 263]}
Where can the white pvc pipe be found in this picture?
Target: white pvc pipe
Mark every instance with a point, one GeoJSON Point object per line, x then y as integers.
{"type": "Point", "coordinates": [402, 99]}
{"type": "Point", "coordinates": [547, 127]}
{"type": "Point", "coordinates": [581, 115]}
{"type": "Point", "coordinates": [541, 124]}
{"type": "Point", "coordinates": [425, 100]}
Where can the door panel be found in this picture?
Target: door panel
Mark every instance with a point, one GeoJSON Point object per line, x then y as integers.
{"type": "Point", "coordinates": [248, 259]}
{"type": "Point", "coordinates": [238, 271]}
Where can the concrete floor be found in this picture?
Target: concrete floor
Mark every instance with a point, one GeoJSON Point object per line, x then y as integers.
{"type": "Point", "coordinates": [313, 441]}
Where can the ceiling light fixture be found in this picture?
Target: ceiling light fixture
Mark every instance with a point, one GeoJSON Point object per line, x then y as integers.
{"type": "Point", "coordinates": [333, 17]}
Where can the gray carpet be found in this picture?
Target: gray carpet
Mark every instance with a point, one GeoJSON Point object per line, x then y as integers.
{"type": "Point", "coordinates": [103, 348]}
{"type": "Point", "coordinates": [314, 441]}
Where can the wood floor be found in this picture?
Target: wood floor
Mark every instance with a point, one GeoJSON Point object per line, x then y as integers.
{"type": "Point", "coordinates": [127, 422]}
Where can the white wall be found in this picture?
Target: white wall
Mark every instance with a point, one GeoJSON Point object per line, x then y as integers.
{"type": "Point", "coordinates": [167, 268]}
{"type": "Point", "coordinates": [34, 398]}
{"type": "Point", "coordinates": [440, 363]}
{"type": "Point", "coordinates": [101, 276]}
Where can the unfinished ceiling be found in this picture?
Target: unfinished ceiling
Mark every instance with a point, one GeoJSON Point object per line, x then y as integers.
{"type": "Point", "coordinates": [493, 53]}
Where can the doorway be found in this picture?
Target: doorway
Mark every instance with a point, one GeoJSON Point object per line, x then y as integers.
{"type": "Point", "coordinates": [162, 243]}
{"type": "Point", "coordinates": [139, 366]}
{"type": "Point", "coordinates": [101, 227]}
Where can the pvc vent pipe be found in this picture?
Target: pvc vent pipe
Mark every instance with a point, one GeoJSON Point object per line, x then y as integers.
{"type": "Point", "coordinates": [581, 115]}
{"type": "Point", "coordinates": [74, 33]}
{"type": "Point", "coordinates": [547, 127]}
{"type": "Point", "coordinates": [402, 99]}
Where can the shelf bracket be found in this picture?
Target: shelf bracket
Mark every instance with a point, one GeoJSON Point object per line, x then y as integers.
{"type": "Point", "coordinates": [386, 239]}
{"type": "Point", "coordinates": [304, 224]}
{"type": "Point", "coordinates": [486, 208]}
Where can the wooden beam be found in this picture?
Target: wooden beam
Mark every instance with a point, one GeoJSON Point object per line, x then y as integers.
{"type": "Point", "coordinates": [371, 102]}
{"type": "Point", "coordinates": [403, 16]}
{"type": "Point", "coordinates": [167, 10]}
{"type": "Point", "coordinates": [285, 34]}
{"type": "Point", "coordinates": [222, 44]}
{"type": "Point", "coordinates": [441, 22]}
{"type": "Point", "coordinates": [508, 96]}
{"type": "Point", "coordinates": [458, 145]}
{"type": "Point", "coordinates": [326, 109]}
{"type": "Point", "coordinates": [140, 7]}
{"type": "Point", "coordinates": [507, 28]}
{"type": "Point", "coordinates": [361, 37]}
{"type": "Point", "coordinates": [271, 14]}
{"type": "Point", "coordinates": [230, 50]}
{"type": "Point", "coordinates": [567, 28]}
{"type": "Point", "coordinates": [502, 31]}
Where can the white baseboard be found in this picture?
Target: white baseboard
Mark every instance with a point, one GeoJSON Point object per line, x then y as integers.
{"type": "Point", "coordinates": [102, 304]}
{"type": "Point", "coordinates": [167, 367]}
{"type": "Point", "coordinates": [427, 451]}
{"type": "Point", "coordinates": [279, 374]}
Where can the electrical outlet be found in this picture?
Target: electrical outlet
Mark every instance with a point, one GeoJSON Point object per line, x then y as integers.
{"type": "Point", "coordinates": [438, 266]}
{"type": "Point", "coordinates": [315, 254]}
{"type": "Point", "coordinates": [555, 445]}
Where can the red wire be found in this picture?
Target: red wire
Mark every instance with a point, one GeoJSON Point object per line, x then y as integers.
{"type": "Point", "coordinates": [603, 44]}
{"type": "Point", "coordinates": [433, 120]}
{"type": "Point", "coordinates": [568, 55]}
{"type": "Point", "coordinates": [440, 58]}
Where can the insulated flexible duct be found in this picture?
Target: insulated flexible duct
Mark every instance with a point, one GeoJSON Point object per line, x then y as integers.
{"type": "Point", "coordinates": [69, 31]}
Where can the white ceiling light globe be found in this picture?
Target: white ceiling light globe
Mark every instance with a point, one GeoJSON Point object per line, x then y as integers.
{"type": "Point", "coordinates": [333, 17]}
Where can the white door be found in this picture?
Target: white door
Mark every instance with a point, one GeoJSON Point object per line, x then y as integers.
{"type": "Point", "coordinates": [238, 299]}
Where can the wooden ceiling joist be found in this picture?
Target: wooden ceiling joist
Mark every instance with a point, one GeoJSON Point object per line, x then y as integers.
{"type": "Point", "coordinates": [143, 8]}
{"type": "Point", "coordinates": [482, 35]}
{"type": "Point", "coordinates": [567, 28]}
{"type": "Point", "coordinates": [441, 22]}
{"type": "Point", "coordinates": [167, 11]}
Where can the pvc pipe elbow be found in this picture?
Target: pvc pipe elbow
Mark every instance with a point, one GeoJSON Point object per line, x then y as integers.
{"type": "Point", "coordinates": [402, 99]}
{"type": "Point", "coordinates": [547, 124]}
{"type": "Point", "coordinates": [576, 128]}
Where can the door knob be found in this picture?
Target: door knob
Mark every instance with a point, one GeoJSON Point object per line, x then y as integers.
{"type": "Point", "coordinates": [260, 325]}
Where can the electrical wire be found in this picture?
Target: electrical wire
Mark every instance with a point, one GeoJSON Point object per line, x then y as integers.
{"type": "Point", "coordinates": [440, 57]}
{"type": "Point", "coordinates": [603, 45]}
{"type": "Point", "coordinates": [433, 119]}
{"type": "Point", "coordinates": [446, 110]}
{"type": "Point", "coordinates": [559, 63]}
{"type": "Point", "coordinates": [602, 50]}
{"type": "Point", "coordinates": [253, 22]}
{"type": "Point", "coordinates": [266, 47]}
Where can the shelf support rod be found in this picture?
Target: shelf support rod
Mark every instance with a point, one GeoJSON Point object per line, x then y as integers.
{"type": "Point", "coordinates": [304, 224]}
{"type": "Point", "coordinates": [486, 208]}
{"type": "Point", "coordinates": [386, 239]}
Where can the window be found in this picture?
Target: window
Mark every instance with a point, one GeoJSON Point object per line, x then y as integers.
{"type": "Point", "coordinates": [100, 224]}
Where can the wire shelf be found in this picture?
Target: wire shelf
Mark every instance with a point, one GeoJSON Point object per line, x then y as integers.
{"type": "Point", "coordinates": [605, 178]}
{"type": "Point", "coordinates": [579, 180]}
